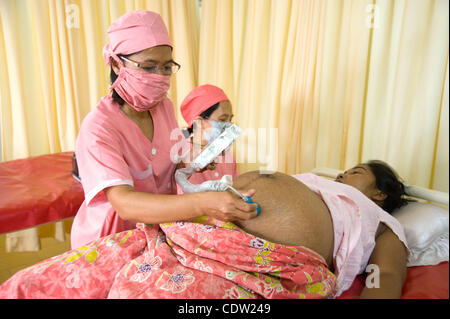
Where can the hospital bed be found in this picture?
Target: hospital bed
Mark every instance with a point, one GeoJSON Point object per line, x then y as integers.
{"type": "Point", "coordinates": [36, 191]}
{"type": "Point", "coordinates": [41, 189]}
{"type": "Point", "coordinates": [422, 281]}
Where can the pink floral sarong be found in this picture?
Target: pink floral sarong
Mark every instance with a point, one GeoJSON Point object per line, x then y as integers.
{"type": "Point", "coordinates": [206, 259]}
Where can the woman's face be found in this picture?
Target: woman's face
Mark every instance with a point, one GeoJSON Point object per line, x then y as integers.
{"type": "Point", "coordinates": [362, 178]}
{"type": "Point", "coordinates": [158, 56]}
{"type": "Point", "coordinates": [224, 113]}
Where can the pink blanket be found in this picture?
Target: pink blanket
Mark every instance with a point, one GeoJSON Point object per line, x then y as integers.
{"type": "Point", "coordinates": [177, 260]}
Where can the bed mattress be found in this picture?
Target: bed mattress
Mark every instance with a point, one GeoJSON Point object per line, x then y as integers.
{"type": "Point", "coordinates": [37, 190]}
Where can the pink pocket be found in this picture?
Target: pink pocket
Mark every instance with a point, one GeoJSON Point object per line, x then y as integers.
{"type": "Point", "coordinates": [138, 174]}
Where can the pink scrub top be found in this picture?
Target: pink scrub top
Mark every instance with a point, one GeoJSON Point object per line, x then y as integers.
{"type": "Point", "coordinates": [112, 150]}
{"type": "Point", "coordinates": [226, 166]}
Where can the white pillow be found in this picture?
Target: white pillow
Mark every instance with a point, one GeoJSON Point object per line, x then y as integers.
{"type": "Point", "coordinates": [426, 230]}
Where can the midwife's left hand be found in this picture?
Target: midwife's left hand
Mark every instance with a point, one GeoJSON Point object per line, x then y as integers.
{"type": "Point", "coordinates": [210, 166]}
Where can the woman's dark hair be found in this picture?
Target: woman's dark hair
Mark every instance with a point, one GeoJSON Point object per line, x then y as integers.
{"type": "Point", "coordinates": [389, 183]}
{"type": "Point", "coordinates": [113, 76]}
{"type": "Point", "coordinates": [205, 114]}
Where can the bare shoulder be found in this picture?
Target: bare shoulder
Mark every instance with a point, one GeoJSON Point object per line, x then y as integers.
{"type": "Point", "coordinates": [381, 229]}
{"type": "Point", "coordinates": [390, 254]}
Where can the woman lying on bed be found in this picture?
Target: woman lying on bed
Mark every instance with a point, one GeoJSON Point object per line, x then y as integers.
{"type": "Point", "coordinates": [309, 227]}
{"type": "Point", "coordinates": [346, 221]}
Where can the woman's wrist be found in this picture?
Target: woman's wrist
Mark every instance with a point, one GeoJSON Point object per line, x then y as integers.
{"type": "Point", "coordinates": [198, 204]}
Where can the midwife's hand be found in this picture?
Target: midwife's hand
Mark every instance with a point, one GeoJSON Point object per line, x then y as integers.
{"type": "Point", "coordinates": [193, 153]}
{"type": "Point", "coordinates": [210, 166]}
{"type": "Point", "coordinates": [227, 207]}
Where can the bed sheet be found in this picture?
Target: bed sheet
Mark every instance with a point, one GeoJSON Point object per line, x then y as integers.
{"type": "Point", "coordinates": [189, 260]}
{"type": "Point", "coordinates": [181, 260]}
{"type": "Point", "coordinates": [422, 282]}
{"type": "Point", "coordinates": [37, 190]}
{"type": "Point", "coordinates": [41, 189]}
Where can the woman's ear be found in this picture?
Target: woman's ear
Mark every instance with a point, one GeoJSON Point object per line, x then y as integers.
{"type": "Point", "coordinates": [198, 123]}
{"type": "Point", "coordinates": [196, 129]}
{"type": "Point", "coordinates": [378, 196]}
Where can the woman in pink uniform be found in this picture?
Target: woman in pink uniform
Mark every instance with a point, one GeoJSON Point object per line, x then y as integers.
{"type": "Point", "coordinates": [123, 147]}
{"type": "Point", "coordinates": [204, 109]}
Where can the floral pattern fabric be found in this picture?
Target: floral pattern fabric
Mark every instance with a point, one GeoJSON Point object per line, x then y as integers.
{"type": "Point", "coordinates": [202, 259]}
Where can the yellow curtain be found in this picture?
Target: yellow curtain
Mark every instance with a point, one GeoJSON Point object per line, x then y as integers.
{"type": "Point", "coordinates": [313, 83]}
{"type": "Point", "coordinates": [441, 173]}
{"type": "Point", "coordinates": [406, 94]}
{"type": "Point", "coordinates": [53, 72]}
{"type": "Point", "coordinates": [340, 82]}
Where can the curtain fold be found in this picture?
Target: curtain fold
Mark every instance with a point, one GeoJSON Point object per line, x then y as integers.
{"type": "Point", "coordinates": [12, 86]}
{"type": "Point", "coordinates": [441, 167]}
{"type": "Point", "coordinates": [337, 82]}
{"type": "Point", "coordinates": [340, 81]}
{"type": "Point", "coordinates": [54, 73]}
{"type": "Point", "coordinates": [312, 83]}
{"type": "Point", "coordinates": [407, 71]}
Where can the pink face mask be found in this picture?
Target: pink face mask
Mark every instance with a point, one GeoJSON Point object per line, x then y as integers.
{"type": "Point", "coordinates": [142, 90]}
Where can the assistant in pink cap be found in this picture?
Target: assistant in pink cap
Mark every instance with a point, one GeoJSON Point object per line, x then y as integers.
{"type": "Point", "coordinates": [210, 106]}
{"type": "Point", "coordinates": [200, 99]}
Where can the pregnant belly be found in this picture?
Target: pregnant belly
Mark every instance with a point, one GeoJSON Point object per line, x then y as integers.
{"type": "Point", "coordinates": [291, 214]}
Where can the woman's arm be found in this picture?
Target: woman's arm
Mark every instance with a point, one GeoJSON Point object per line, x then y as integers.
{"type": "Point", "coordinates": [158, 208]}
{"type": "Point", "coordinates": [390, 256]}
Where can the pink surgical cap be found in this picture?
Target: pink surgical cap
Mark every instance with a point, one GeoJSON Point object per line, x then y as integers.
{"type": "Point", "coordinates": [133, 32]}
{"type": "Point", "coordinates": [199, 100]}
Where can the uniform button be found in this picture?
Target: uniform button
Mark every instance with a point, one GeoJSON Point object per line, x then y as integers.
{"type": "Point", "coordinates": [154, 151]}
{"type": "Point", "coordinates": [169, 185]}
{"type": "Point", "coordinates": [216, 174]}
